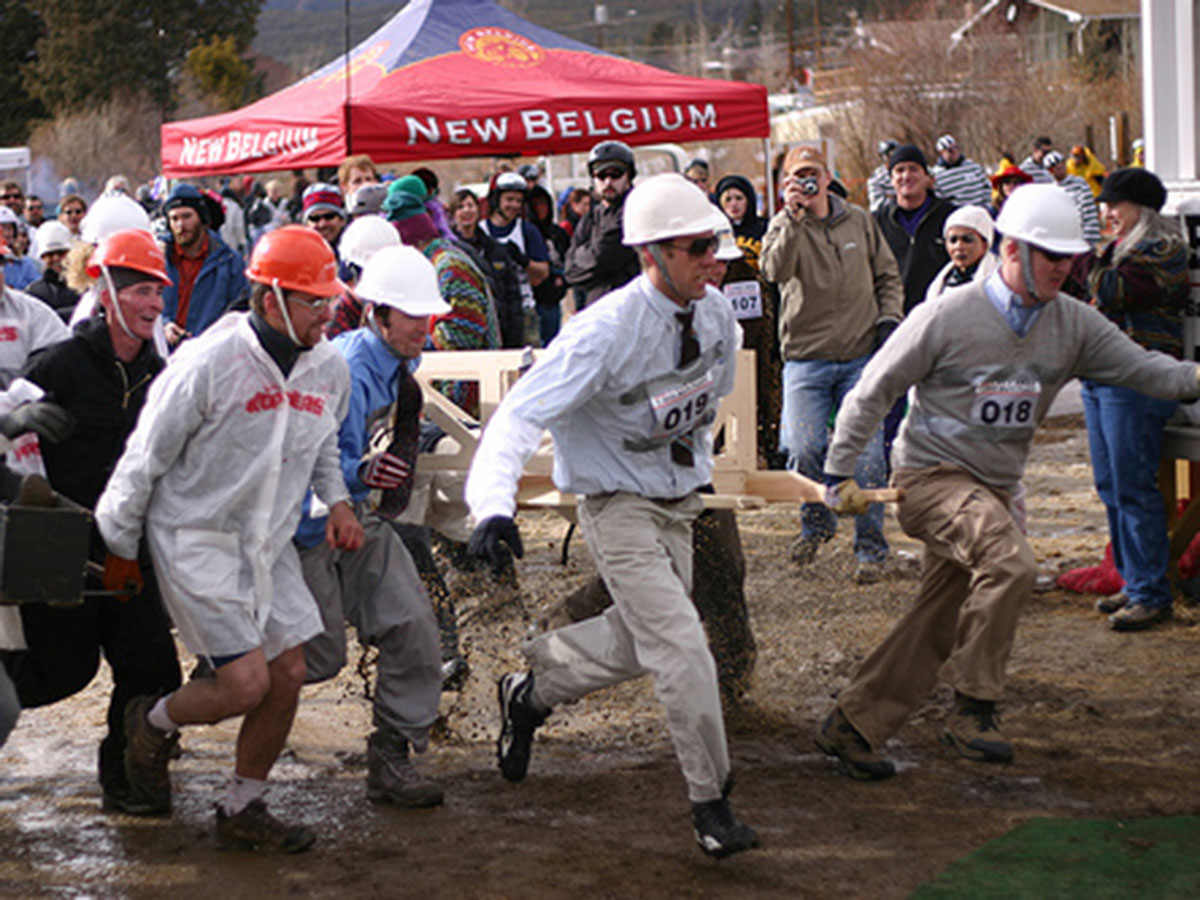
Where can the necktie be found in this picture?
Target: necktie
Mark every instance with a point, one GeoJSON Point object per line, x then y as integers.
{"type": "Point", "coordinates": [689, 350]}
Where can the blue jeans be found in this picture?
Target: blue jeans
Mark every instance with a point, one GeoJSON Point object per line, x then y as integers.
{"type": "Point", "coordinates": [549, 320]}
{"type": "Point", "coordinates": [1125, 432]}
{"type": "Point", "coordinates": [812, 390]}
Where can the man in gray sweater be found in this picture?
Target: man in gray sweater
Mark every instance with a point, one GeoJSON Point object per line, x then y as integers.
{"type": "Point", "coordinates": [985, 361]}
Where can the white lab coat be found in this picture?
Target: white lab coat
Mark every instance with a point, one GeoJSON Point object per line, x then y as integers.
{"type": "Point", "coordinates": [26, 324]}
{"type": "Point", "coordinates": [216, 469]}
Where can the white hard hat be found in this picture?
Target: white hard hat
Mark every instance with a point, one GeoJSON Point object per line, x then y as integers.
{"type": "Point", "coordinates": [668, 206]}
{"type": "Point", "coordinates": [1045, 216]}
{"type": "Point", "coordinates": [976, 218]}
{"type": "Point", "coordinates": [727, 249]}
{"type": "Point", "coordinates": [7, 216]}
{"type": "Point", "coordinates": [364, 237]}
{"type": "Point", "coordinates": [110, 213]}
{"type": "Point", "coordinates": [402, 278]}
{"type": "Point", "coordinates": [53, 236]}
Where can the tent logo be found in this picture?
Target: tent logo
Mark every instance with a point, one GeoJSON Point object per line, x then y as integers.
{"type": "Point", "coordinates": [501, 47]}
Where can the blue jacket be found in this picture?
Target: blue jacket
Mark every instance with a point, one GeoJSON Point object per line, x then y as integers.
{"type": "Point", "coordinates": [373, 370]}
{"type": "Point", "coordinates": [220, 284]}
{"type": "Point", "coordinates": [21, 273]}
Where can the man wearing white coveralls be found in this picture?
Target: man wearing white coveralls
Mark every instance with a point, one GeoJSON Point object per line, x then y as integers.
{"type": "Point", "coordinates": [233, 432]}
{"type": "Point", "coordinates": [628, 389]}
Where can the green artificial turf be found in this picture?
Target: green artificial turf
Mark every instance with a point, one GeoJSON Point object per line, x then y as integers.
{"type": "Point", "coordinates": [1080, 858]}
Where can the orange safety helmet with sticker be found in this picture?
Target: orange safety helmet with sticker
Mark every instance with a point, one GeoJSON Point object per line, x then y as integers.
{"type": "Point", "coordinates": [296, 259]}
{"type": "Point", "coordinates": [129, 249]}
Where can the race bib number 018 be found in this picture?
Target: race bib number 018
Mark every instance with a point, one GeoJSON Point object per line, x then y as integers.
{"type": "Point", "coordinates": [680, 408]}
{"type": "Point", "coordinates": [746, 297]}
{"type": "Point", "coordinates": [1006, 404]}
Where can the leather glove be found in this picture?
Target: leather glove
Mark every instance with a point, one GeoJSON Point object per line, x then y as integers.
{"type": "Point", "coordinates": [883, 331]}
{"type": "Point", "coordinates": [496, 539]}
{"type": "Point", "coordinates": [49, 420]}
{"type": "Point", "coordinates": [122, 576]}
{"type": "Point", "coordinates": [846, 498]}
{"type": "Point", "coordinates": [384, 471]}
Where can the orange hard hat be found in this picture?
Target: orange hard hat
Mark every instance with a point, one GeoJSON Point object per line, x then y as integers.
{"type": "Point", "coordinates": [295, 258]}
{"type": "Point", "coordinates": [130, 249]}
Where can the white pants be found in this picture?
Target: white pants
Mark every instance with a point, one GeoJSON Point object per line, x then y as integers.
{"type": "Point", "coordinates": [643, 549]}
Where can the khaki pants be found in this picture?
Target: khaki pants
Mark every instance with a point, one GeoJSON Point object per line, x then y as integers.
{"type": "Point", "coordinates": [977, 571]}
{"type": "Point", "coordinates": [643, 550]}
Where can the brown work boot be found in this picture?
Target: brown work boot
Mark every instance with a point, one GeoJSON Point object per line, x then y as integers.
{"type": "Point", "coordinates": [837, 737]}
{"type": "Point", "coordinates": [256, 829]}
{"type": "Point", "coordinates": [147, 752]}
{"type": "Point", "coordinates": [391, 776]}
{"type": "Point", "coordinates": [1138, 616]}
{"type": "Point", "coordinates": [974, 731]}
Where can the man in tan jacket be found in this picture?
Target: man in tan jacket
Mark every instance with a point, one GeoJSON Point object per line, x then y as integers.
{"type": "Point", "coordinates": [840, 297]}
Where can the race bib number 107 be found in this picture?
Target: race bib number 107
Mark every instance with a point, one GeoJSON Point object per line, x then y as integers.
{"type": "Point", "coordinates": [746, 297]}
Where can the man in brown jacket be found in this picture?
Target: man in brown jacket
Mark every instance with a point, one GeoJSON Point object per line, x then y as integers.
{"type": "Point", "coordinates": [840, 297]}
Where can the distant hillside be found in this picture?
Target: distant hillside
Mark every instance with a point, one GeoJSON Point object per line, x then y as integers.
{"type": "Point", "coordinates": [308, 33]}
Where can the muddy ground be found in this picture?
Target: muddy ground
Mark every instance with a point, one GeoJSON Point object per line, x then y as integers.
{"type": "Point", "coordinates": [1105, 725]}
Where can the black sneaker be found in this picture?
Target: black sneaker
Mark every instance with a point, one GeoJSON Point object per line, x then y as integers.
{"type": "Point", "coordinates": [837, 737]}
{"type": "Point", "coordinates": [120, 799]}
{"type": "Point", "coordinates": [518, 721]}
{"type": "Point", "coordinates": [973, 729]}
{"type": "Point", "coordinates": [718, 832]}
{"type": "Point", "coordinates": [256, 829]}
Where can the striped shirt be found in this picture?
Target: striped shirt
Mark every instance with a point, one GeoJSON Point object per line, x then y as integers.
{"type": "Point", "coordinates": [1085, 201]}
{"type": "Point", "coordinates": [1035, 170]}
{"type": "Point", "coordinates": [964, 183]}
{"type": "Point", "coordinates": [879, 188]}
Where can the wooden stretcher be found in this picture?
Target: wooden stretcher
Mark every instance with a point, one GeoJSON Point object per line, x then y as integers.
{"type": "Point", "coordinates": [738, 481]}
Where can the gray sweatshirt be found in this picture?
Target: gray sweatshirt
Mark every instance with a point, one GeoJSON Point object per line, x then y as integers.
{"type": "Point", "coordinates": [979, 389]}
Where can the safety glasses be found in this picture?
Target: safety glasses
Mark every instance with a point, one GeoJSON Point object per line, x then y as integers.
{"type": "Point", "coordinates": [318, 305]}
{"type": "Point", "coordinates": [1053, 257]}
{"type": "Point", "coordinates": [698, 246]}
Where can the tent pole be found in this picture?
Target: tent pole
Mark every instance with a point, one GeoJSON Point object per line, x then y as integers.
{"type": "Point", "coordinates": [769, 180]}
{"type": "Point", "coordinates": [346, 45]}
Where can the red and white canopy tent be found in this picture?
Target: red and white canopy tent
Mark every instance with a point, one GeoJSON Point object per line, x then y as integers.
{"type": "Point", "coordinates": [458, 78]}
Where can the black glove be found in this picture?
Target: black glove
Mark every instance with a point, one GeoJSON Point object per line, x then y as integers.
{"type": "Point", "coordinates": [883, 331]}
{"type": "Point", "coordinates": [493, 539]}
{"type": "Point", "coordinates": [49, 420]}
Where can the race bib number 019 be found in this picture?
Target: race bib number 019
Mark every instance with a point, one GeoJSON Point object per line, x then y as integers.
{"type": "Point", "coordinates": [1006, 404]}
{"type": "Point", "coordinates": [680, 408]}
{"type": "Point", "coordinates": [746, 297]}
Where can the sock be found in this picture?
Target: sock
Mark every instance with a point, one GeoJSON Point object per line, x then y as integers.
{"type": "Point", "coordinates": [159, 718]}
{"type": "Point", "coordinates": [242, 792]}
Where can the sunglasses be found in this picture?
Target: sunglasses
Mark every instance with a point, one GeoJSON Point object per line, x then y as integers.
{"type": "Point", "coordinates": [11, 196]}
{"type": "Point", "coordinates": [609, 175]}
{"type": "Point", "coordinates": [72, 212]}
{"type": "Point", "coordinates": [1053, 257]}
{"type": "Point", "coordinates": [698, 247]}
{"type": "Point", "coordinates": [323, 217]}
{"type": "Point", "coordinates": [961, 239]}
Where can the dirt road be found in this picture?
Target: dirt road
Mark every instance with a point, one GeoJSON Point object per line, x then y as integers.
{"type": "Point", "coordinates": [1105, 725]}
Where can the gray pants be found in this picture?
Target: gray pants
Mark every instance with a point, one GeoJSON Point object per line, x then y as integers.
{"type": "Point", "coordinates": [643, 550]}
{"type": "Point", "coordinates": [377, 590]}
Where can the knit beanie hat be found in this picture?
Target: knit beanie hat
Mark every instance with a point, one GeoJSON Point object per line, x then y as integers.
{"type": "Point", "coordinates": [407, 212]}
{"type": "Point", "coordinates": [1137, 185]}
{"type": "Point", "coordinates": [907, 153]}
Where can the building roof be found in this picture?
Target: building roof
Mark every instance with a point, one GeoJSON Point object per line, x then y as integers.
{"type": "Point", "coordinates": [1073, 10]}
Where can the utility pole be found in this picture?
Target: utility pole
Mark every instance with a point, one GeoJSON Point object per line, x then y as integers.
{"type": "Point", "coordinates": [816, 34]}
{"type": "Point", "coordinates": [791, 30]}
